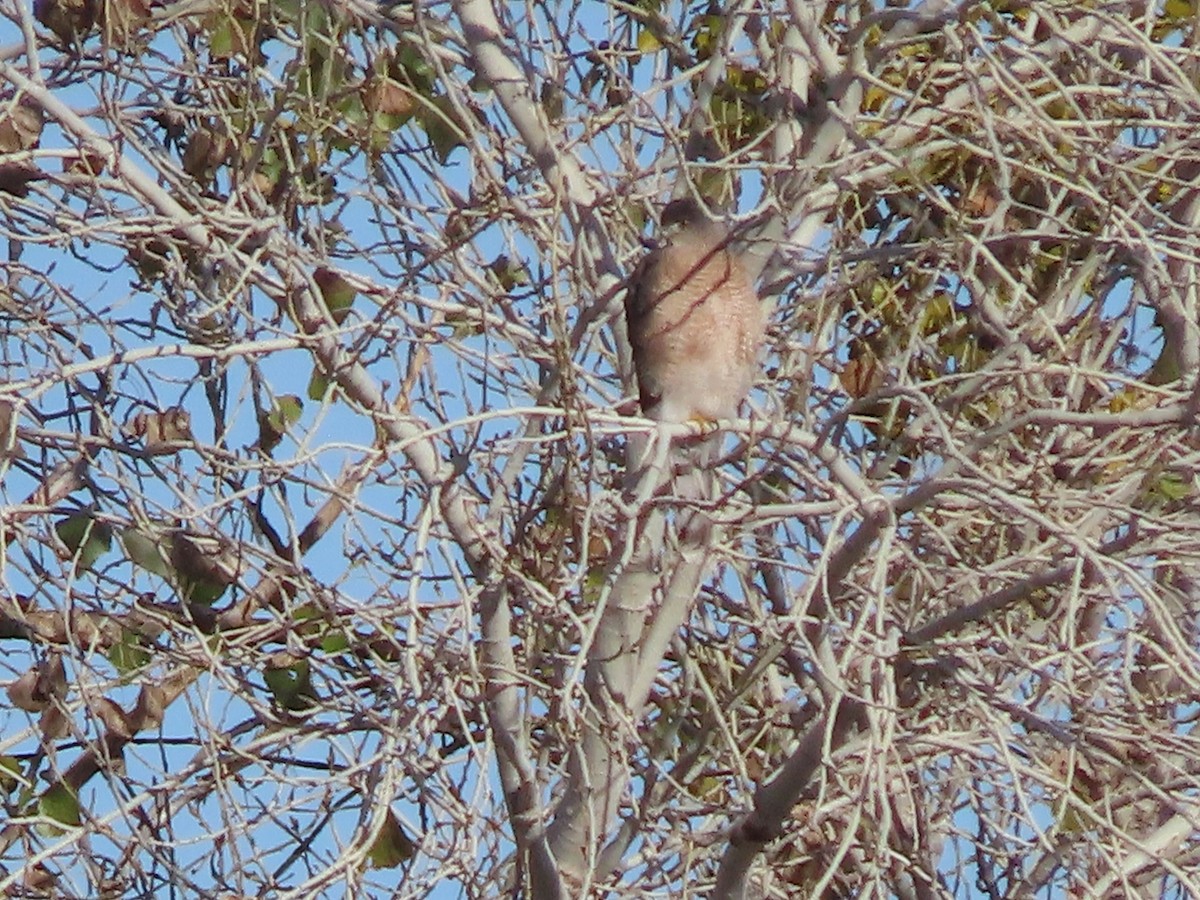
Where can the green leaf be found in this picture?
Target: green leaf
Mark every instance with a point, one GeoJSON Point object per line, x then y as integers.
{"type": "Point", "coordinates": [383, 126]}
{"type": "Point", "coordinates": [318, 384]}
{"type": "Point", "coordinates": [128, 654]}
{"type": "Point", "coordinates": [392, 846]}
{"type": "Point", "coordinates": [229, 37]}
{"type": "Point", "coordinates": [442, 127]}
{"type": "Point", "coordinates": [202, 567]}
{"type": "Point", "coordinates": [201, 592]}
{"type": "Point", "coordinates": [1173, 486]}
{"type": "Point", "coordinates": [220, 42]}
{"type": "Point", "coordinates": [1166, 368]}
{"type": "Point", "coordinates": [144, 551]}
{"type": "Point", "coordinates": [413, 69]}
{"type": "Point", "coordinates": [288, 408]}
{"type": "Point", "coordinates": [59, 802]}
{"type": "Point", "coordinates": [85, 538]}
{"type": "Point", "coordinates": [10, 773]}
{"type": "Point", "coordinates": [335, 642]}
{"type": "Point", "coordinates": [290, 11]}
{"type": "Point", "coordinates": [290, 683]}
{"type": "Point", "coordinates": [274, 164]}
{"type": "Point", "coordinates": [285, 412]}
{"type": "Point", "coordinates": [337, 292]}
{"type": "Point", "coordinates": [593, 584]}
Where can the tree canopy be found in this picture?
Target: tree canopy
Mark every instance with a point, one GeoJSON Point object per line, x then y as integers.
{"type": "Point", "coordinates": [325, 571]}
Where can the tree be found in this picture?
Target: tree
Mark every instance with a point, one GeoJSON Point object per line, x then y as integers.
{"type": "Point", "coordinates": [325, 573]}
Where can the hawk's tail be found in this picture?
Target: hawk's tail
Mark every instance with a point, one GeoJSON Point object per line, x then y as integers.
{"type": "Point", "coordinates": [696, 486]}
{"type": "Point", "coordinates": [683, 471]}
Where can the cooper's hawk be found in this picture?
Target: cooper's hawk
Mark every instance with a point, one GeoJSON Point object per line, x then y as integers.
{"type": "Point", "coordinates": [695, 321]}
{"type": "Point", "coordinates": [695, 326]}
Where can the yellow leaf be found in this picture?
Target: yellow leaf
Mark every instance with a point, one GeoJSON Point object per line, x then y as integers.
{"type": "Point", "coordinates": [647, 42]}
{"type": "Point", "coordinates": [1179, 9]}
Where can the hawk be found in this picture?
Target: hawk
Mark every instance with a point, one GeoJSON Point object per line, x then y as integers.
{"type": "Point", "coordinates": [695, 321]}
